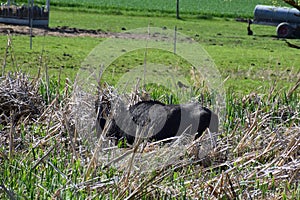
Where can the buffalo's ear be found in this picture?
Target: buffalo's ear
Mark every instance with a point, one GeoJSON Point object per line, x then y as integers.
{"type": "Point", "coordinates": [214, 123]}
{"type": "Point", "coordinates": [102, 123]}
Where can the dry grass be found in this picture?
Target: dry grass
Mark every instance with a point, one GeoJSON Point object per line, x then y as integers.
{"type": "Point", "coordinates": [256, 156]}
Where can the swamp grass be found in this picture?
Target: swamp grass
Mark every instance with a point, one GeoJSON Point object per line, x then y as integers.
{"type": "Point", "coordinates": [256, 155]}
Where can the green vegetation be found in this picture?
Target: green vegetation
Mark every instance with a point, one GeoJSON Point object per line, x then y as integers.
{"type": "Point", "coordinates": [188, 8]}
{"type": "Point", "coordinates": [257, 154]}
{"type": "Point", "coordinates": [63, 54]}
{"type": "Point", "coordinates": [255, 62]}
{"type": "Point", "coordinates": [220, 8]}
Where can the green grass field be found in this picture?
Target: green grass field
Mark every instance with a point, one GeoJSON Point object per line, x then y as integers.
{"type": "Point", "coordinates": [253, 61]}
{"type": "Point", "coordinates": [221, 8]}
{"type": "Point", "coordinates": [44, 156]}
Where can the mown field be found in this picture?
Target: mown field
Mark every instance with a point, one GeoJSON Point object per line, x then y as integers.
{"type": "Point", "coordinates": [221, 8]}
{"type": "Point", "coordinates": [44, 156]}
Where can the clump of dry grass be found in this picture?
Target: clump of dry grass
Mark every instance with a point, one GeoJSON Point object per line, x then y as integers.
{"type": "Point", "coordinates": [20, 102]}
{"type": "Point", "coordinates": [19, 98]}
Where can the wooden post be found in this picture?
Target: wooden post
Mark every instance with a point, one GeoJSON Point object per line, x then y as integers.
{"type": "Point", "coordinates": [31, 20]}
{"type": "Point", "coordinates": [8, 11]}
{"type": "Point", "coordinates": [48, 11]}
{"type": "Point", "coordinates": [177, 9]}
{"type": "Point", "coordinates": [48, 5]}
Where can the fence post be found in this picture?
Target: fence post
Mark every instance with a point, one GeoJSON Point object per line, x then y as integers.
{"type": "Point", "coordinates": [30, 17]}
{"type": "Point", "coordinates": [177, 9]}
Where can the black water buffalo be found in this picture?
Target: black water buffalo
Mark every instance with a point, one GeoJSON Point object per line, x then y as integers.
{"type": "Point", "coordinates": [154, 121]}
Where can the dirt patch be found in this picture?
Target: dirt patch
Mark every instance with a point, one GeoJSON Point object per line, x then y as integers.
{"type": "Point", "coordinates": [56, 31]}
{"type": "Point", "coordinates": [65, 31]}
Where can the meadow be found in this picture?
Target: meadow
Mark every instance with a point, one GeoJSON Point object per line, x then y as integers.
{"type": "Point", "coordinates": [253, 61]}
{"type": "Point", "coordinates": [233, 8]}
{"type": "Point", "coordinates": [257, 154]}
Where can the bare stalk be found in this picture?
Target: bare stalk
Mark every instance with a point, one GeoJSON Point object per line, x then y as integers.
{"type": "Point", "coordinates": [11, 134]}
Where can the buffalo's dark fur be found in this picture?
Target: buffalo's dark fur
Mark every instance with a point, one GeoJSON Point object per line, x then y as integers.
{"type": "Point", "coordinates": [156, 120]}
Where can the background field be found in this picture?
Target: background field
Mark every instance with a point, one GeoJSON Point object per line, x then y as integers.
{"type": "Point", "coordinates": [255, 62]}
{"type": "Point", "coordinates": [233, 8]}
